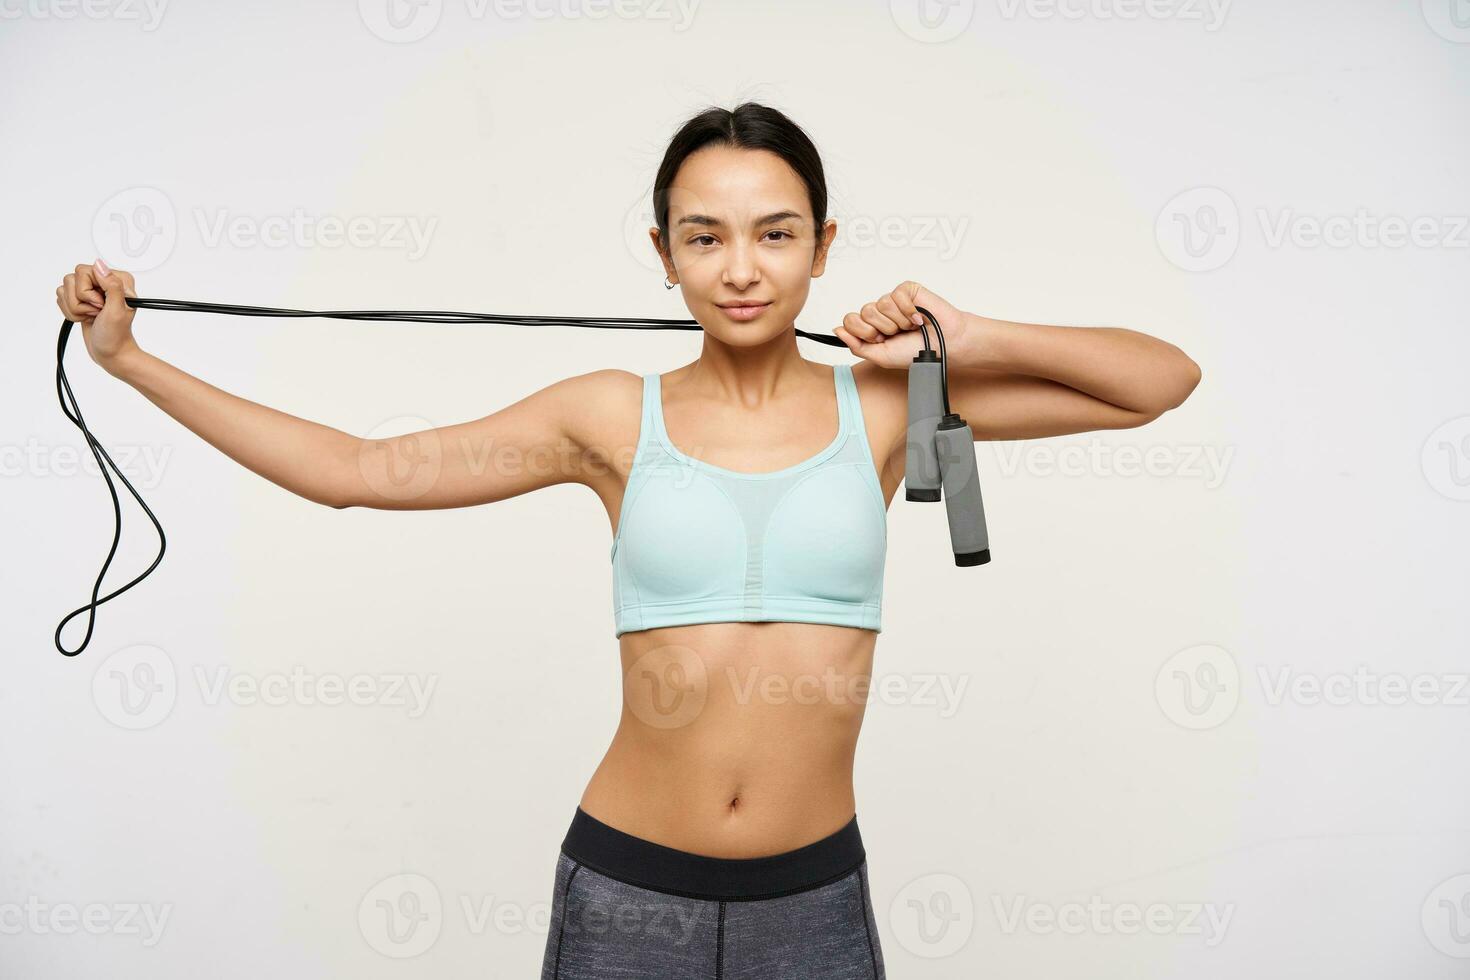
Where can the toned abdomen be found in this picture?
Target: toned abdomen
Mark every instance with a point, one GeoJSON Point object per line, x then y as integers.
{"type": "Point", "coordinates": [736, 739]}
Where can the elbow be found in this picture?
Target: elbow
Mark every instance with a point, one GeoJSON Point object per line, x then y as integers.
{"type": "Point", "coordinates": [1189, 378]}
{"type": "Point", "coordinates": [1182, 382]}
{"type": "Point", "coordinates": [334, 501]}
{"type": "Point", "coordinates": [1180, 385]}
{"type": "Point", "coordinates": [340, 500]}
{"type": "Point", "coordinates": [343, 491]}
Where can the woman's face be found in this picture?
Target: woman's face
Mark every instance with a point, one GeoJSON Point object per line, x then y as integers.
{"type": "Point", "coordinates": [741, 231]}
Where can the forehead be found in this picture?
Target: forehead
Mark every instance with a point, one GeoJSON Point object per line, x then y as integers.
{"type": "Point", "coordinates": [736, 185]}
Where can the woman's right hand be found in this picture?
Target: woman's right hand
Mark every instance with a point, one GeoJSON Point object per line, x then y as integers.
{"type": "Point", "coordinates": [94, 296]}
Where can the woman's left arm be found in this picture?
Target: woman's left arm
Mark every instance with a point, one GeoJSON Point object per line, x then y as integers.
{"type": "Point", "coordinates": [1012, 380]}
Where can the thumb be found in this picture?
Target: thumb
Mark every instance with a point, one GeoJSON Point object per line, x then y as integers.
{"type": "Point", "coordinates": [858, 347]}
{"type": "Point", "coordinates": [111, 285]}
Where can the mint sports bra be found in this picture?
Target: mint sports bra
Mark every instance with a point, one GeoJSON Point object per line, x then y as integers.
{"type": "Point", "coordinates": [697, 543]}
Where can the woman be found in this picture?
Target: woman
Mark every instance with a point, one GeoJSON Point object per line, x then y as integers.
{"type": "Point", "coordinates": [718, 837]}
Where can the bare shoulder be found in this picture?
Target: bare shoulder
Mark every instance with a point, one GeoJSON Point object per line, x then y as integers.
{"type": "Point", "coordinates": [885, 385]}
{"type": "Point", "coordinates": [884, 393]}
{"type": "Point", "coordinates": [603, 383]}
{"type": "Point", "coordinates": [602, 410]}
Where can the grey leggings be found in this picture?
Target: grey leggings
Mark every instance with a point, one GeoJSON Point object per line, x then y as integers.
{"type": "Point", "coordinates": [625, 907]}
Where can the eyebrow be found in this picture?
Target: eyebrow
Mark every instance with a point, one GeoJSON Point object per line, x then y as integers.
{"type": "Point", "coordinates": [707, 221]}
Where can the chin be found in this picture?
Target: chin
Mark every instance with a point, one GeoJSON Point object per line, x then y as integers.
{"type": "Point", "coordinates": [753, 337]}
{"type": "Point", "coordinates": [752, 334]}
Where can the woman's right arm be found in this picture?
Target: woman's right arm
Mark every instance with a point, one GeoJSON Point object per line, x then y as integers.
{"type": "Point", "coordinates": [530, 444]}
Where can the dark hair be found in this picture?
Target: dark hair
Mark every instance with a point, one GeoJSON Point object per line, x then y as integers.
{"type": "Point", "coordinates": [749, 126]}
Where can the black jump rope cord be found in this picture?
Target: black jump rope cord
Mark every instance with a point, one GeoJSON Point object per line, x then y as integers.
{"type": "Point", "coordinates": [74, 412]}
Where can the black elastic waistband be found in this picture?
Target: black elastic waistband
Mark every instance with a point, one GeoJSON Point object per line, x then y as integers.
{"type": "Point", "coordinates": [631, 859]}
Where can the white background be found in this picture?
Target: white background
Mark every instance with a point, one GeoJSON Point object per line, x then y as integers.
{"type": "Point", "coordinates": [1121, 737]}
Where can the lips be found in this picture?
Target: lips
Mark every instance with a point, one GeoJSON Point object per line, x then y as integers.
{"type": "Point", "coordinates": [744, 310]}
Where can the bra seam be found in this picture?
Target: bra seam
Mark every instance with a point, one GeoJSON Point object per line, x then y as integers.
{"type": "Point", "coordinates": [860, 430]}
{"type": "Point", "coordinates": [737, 597]}
{"type": "Point", "coordinates": [870, 474]}
{"type": "Point", "coordinates": [744, 543]}
{"type": "Point", "coordinates": [870, 478]}
{"type": "Point", "coordinates": [637, 480]}
{"type": "Point", "coordinates": [634, 470]}
{"type": "Point", "coordinates": [776, 507]}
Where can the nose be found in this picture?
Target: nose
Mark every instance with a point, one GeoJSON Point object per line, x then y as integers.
{"type": "Point", "coordinates": [741, 268]}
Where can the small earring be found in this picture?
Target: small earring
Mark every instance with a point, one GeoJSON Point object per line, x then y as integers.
{"type": "Point", "coordinates": [667, 284]}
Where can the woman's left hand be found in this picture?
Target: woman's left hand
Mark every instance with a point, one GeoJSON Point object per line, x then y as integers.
{"type": "Point", "coordinates": [886, 332]}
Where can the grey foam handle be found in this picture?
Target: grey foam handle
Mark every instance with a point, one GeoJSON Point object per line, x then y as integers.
{"type": "Point", "coordinates": [922, 478]}
{"type": "Point", "coordinates": [955, 449]}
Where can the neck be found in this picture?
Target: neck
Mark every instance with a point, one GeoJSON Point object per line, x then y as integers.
{"type": "Point", "coordinates": [750, 374]}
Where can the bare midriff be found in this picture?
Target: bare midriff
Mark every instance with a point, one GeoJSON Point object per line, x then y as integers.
{"type": "Point", "coordinates": [736, 739]}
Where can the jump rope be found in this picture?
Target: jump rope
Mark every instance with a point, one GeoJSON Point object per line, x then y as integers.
{"type": "Point", "coordinates": [940, 444]}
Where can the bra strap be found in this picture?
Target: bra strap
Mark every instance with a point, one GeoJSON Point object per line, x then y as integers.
{"type": "Point", "coordinates": [859, 429]}
{"type": "Point", "coordinates": [653, 414]}
{"type": "Point", "coordinates": [849, 405]}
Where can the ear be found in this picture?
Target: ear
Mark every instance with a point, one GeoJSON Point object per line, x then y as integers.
{"type": "Point", "coordinates": [824, 246]}
{"type": "Point", "coordinates": [663, 255]}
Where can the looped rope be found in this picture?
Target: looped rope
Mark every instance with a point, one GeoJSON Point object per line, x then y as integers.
{"type": "Point", "coordinates": [74, 412]}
